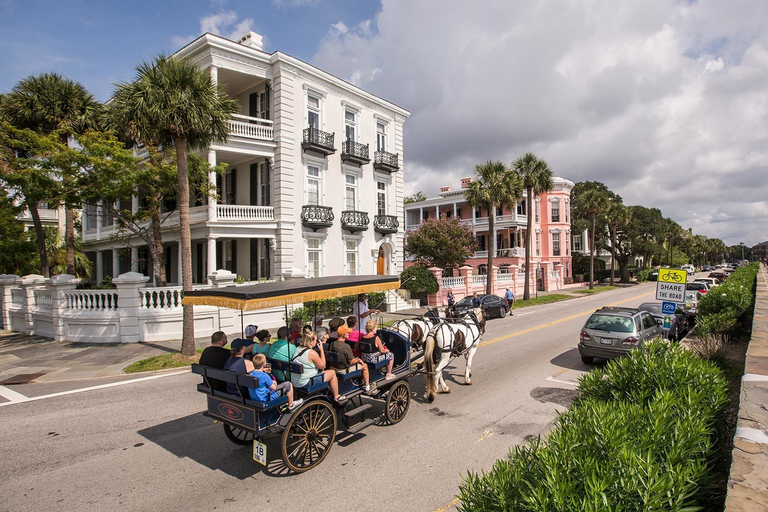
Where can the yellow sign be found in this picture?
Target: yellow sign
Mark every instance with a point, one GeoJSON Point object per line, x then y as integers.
{"type": "Point", "coordinates": [671, 275]}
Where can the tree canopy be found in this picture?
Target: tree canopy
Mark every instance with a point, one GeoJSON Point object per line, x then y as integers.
{"type": "Point", "coordinates": [444, 243]}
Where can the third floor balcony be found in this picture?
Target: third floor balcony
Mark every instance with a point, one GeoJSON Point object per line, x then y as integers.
{"type": "Point", "coordinates": [354, 152]}
{"type": "Point", "coordinates": [316, 217]}
{"type": "Point", "coordinates": [353, 221]}
{"type": "Point", "coordinates": [318, 140]}
{"type": "Point", "coordinates": [383, 161]}
{"type": "Point", "coordinates": [385, 224]}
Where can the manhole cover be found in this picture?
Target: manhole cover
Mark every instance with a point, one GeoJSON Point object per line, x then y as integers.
{"type": "Point", "coordinates": [22, 378]}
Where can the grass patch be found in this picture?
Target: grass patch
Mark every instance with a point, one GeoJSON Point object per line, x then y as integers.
{"type": "Point", "coordinates": [162, 362]}
{"type": "Point", "coordinates": [544, 299]}
{"type": "Point", "coordinates": [587, 291]}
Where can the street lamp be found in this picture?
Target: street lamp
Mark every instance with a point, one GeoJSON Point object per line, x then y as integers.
{"type": "Point", "coordinates": [742, 249]}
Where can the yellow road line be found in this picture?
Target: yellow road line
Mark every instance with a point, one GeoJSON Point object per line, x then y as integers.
{"type": "Point", "coordinates": [446, 507]}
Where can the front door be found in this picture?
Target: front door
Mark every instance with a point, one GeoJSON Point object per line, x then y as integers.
{"type": "Point", "coordinates": [380, 262]}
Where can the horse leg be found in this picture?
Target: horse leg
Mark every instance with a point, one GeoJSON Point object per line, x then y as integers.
{"type": "Point", "coordinates": [468, 370]}
{"type": "Point", "coordinates": [441, 385]}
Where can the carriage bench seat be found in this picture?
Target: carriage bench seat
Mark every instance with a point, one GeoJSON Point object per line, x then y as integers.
{"type": "Point", "coordinates": [240, 381]}
{"type": "Point", "coordinates": [353, 371]}
{"type": "Point", "coordinates": [315, 383]}
{"type": "Point", "coordinates": [369, 348]}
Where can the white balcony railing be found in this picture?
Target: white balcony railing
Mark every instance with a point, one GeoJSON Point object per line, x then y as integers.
{"type": "Point", "coordinates": [479, 279]}
{"type": "Point", "coordinates": [453, 282]}
{"type": "Point", "coordinates": [251, 128]}
{"type": "Point", "coordinates": [244, 213]}
{"type": "Point", "coordinates": [92, 300]}
{"type": "Point", "coordinates": [44, 299]}
{"type": "Point", "coordinates": [481, 254]}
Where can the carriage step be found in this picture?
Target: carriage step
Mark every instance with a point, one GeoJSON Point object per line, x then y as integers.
{"type": "Point", "coordinates": [357, 410]}
{"type": "Point", "coordinates": [357, 427]}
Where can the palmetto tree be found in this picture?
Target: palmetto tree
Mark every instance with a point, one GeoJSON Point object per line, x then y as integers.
{"type": "Point", "coordinates": [494, 186]}
{"type": "Point", "coordinates": [593, 201]}
{"type": "Point", "coordinates": [50, 102]}
{"type": "Point", "coordinates": [536, 177]}
{"type": "Point", "coordinates": [173, 101]}
{"type": "Point", "coordinates": [617, 215]}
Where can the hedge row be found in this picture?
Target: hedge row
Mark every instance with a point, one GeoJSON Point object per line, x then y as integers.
{"type": "Point", "coordinates": [729, 306]}
{"type": "Point", "coordinates": [640, 436]}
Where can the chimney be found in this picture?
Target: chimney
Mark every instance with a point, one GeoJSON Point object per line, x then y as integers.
{"type": "Point", "coordinates": [445, 189]}
{"type": "Point", "coordinates": [465, 182]}
{"type": "Point", "coordinates": [252, 40]}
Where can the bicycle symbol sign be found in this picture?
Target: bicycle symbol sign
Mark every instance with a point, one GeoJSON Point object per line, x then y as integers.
{"type": "Point", "coordinates": [671, 285]}
{"type": "Point", "coordinates": [671, 275]}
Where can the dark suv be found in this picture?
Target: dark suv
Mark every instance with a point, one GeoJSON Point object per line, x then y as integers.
{"type": "Point", "coordinates": [613, 332]}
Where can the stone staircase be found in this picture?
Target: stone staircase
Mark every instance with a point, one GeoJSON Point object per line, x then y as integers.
{"type": "Point", "coordinates": [400, 299]}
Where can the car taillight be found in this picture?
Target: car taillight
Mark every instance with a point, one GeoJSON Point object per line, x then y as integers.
{"type": "Point", "coordinates": [703, 290]}
{"type": "Point", "coordinates": [631, 340]}
{"type": "Point", "coordinates": [584, 335]}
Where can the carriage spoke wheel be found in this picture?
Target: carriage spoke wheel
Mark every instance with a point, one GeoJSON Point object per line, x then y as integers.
{"type": "Point", "coordinates": [398, 401]}
{"type": "Point", "coordinates": [238, 435]}
{"type": "Point", "coordinates": [309, 435]}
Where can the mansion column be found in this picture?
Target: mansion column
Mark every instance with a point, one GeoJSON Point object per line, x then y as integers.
{"type": "Point", "coordinates": [115, 263]}
{"type": "Point", "coordinates": [134, 259]}
{"type": "Point", "coordinates": [212, 181]}
{"type": "Point", "coordinates": [211, 256]}
{"type": "Point", "coordinates": [99, 266]}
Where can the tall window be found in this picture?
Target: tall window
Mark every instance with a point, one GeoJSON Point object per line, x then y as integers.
{"type": "Point", "coordinates": [351, 252]}
{"type": "Point", "coordinates": [351, 192]}
{"type": "Point", "coordinates": [350, 124]}
{"type": "Point", "coordinates": [555, 244]}
{"type": "Point", "coordinates": [313, 111]}
{"type": "Point", "coordinates": [538, 244]}
{"type": "Point", "coordinates": [264, 184]}
{"type": "Point", "coordinates": [536, 219]}
{"type": "Point", "coordinates": [313, 257]}
{"type": "Point", "coordinates": [381, 198]}
{"type": "Point", "coordinates": [577, 243]}
{"type": "Point", "coordinates": [381, 137]}
{"type": "Point", "coordinates": [313, 185]}
{"type": "Point", "coordinates": [522, 208]}
{"type": "Point", "coordinates": [567, 211]}
{"type": "Point", "coordinates": [555, 210]}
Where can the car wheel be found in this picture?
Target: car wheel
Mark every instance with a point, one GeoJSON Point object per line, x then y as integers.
{"type": "Point", "coordinates": [502, 312]}
{"type": "Point", "coordinates": [587, 359]}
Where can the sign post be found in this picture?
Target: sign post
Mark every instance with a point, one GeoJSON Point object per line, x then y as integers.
{"type": "Point", "coordinates": [671, 285]}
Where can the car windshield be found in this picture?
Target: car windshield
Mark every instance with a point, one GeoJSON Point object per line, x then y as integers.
{"type": "Point", "coordinates": [466, 301]}
{"type": "Point", "coordinates": [695, 286]}
{"type": "Point", "coordinates": [610, 323]}
{"type": "Point", "coordinates": [650, 307]}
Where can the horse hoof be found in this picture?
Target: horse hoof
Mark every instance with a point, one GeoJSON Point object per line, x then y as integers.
{"type": "Point", "coordinates": [446, 391]}
{"type": "Point", "coordinates": [430, 399]}
{"type": "Point", "coordinates": [468, 383]}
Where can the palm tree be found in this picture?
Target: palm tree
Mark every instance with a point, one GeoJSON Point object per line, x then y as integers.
{"type": "Point", "coordinates": [618, 215]}
{"type": "Point", "coordinates": [592, 201]}
{"type": "Point", "coordinates": [46, 103]}
{"type": "Point", "coordinates": [537, 179]}
{"type": "Point", "coordinates": [174, 101]}
{"type": "Point", "coordinates": [494, 186]}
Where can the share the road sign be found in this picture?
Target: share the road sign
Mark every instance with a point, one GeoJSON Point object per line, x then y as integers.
{"type": "Point", "coordinates": [671, 285]}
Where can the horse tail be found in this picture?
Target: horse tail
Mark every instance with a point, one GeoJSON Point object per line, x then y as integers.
{"type": "Point", "coordinates": [429, 367]}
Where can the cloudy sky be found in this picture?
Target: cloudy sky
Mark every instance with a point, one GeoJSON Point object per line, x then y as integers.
{"type": "Point", "coordinates": [664, 101]}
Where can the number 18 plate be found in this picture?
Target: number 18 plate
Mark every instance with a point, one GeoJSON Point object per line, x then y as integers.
{"type": "Point", "coordinates": [260, 452]}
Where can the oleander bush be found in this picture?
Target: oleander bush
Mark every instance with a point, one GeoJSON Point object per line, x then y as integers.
{"type": "Point", "coordinates": [644, 275]}
{"type": "Point", "coordinates": [641, 435]}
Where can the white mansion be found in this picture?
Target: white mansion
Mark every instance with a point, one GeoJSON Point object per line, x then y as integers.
{"type": "Point", "coordinates": [314, 185]}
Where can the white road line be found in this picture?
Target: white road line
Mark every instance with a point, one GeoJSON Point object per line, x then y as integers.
{"type": "Point", "coordinates": [552, 379]}
{"type": "Point", "coordinates": [92, 388]}
{"type": "Point", "coordinates": [11, 395]}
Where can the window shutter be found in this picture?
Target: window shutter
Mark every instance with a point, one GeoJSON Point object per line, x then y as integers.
{"type": "Point", "coordinates": [234, 257]}
{"type": "Point", "coordinates": [253, 104]}
{"type": "Point", "coordinates": [254, 188]}
{"type": "Point", "coordinates": [267, 199]}
{"type": "Point", "coordinates": [266, 101]}
{"type": "Point", "coordinates": [232, 192]}
{"type": "Point", "coordinates": [219, 253]}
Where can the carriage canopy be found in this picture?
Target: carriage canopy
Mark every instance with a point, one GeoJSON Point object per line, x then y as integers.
{"type": "Point", "coordinates": [281, 293]}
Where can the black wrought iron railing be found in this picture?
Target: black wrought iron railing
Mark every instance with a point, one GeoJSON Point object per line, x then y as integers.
{"type": "Point", "coordinates": [385, 224]}
{"type": "Point", "coordinates": [319, 138]}
{"type": "Point", "coordinates": [353, 220]}
{"type": "Point", "coordinates": [384, 158]}
{"type": "Point", "coordinates": [355, 149]}
{"type": "Point", "coordinates": [315, 216]}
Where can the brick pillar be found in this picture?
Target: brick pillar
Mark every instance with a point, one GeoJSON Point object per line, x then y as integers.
{"type": "Point", "coordinates": [7, 283]}
{"type": "Point", "coordinates": [129, 303]}
{"type": "Point", "coordinates": [229, 319]}
{"type": "Point", "coordinates": [494, 277]}
{"type": "Point", "coordinates": [59, 286]}
{"type": "Point", "coordinates": [513, 269]}
{"type": "Point", "coordinates": [437, 299]}
{"type": "Point", "coordinates": [466, 271]}
{"type": "Point", "coordinates": [29, 284]}
{"type": "Point", "coordinates": [560, 269]}
{"type": "Point", "coordinates": [546, 266]}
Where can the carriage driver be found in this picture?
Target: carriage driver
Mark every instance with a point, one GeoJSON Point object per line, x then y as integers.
{"type": "Point", "coordinates": [360, 309]}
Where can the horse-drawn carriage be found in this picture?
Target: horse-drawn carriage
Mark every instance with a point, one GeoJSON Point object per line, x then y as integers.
{"type": "Point", "coordinates": [307, 432]}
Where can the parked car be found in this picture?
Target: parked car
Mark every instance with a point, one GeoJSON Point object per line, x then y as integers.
{"type": "Point", "coordinates": [707, 268]}
{"type": "Point", "coordinates": [722, 276]}
{"type": "Point", "coordinates": [678, 321]}
{"type": "Point", "coordinates": [711, 281]}
{"type": "Point", "coordinates": [612, 332]}
{"type": "Point", "coordinates": [493, 306]}
{"type": "Point", "coordinates": [689, 268]}
{"type": "Point", "coordinates": [700, 287]}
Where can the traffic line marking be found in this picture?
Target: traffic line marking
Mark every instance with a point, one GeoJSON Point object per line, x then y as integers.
{"type": "Point", "coordinates": [447, 506]}
{"type": "Point", "coordinates": [20, 399]}
{"type": "Point", "coordinates": [11, 395]}
{"type": "Point", "coordinates": [552, 379]}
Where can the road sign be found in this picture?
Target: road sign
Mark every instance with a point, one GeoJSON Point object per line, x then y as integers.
{"type": "Point", "coordinates": [671, 285]}
{"type": "Point", "coordinates": [668, 308]}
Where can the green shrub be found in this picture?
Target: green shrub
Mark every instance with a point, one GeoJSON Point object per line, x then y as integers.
{"type": "Point", "coordinates": [341, 306]}
{"type": "Point", "coordinates": [726, 309]}
{"type": "Point", "coordinates": [640, 436]}
{"type": "Point", "coordinates": [423, 280]}
{"type": "Point", "coordinates": [644, 275]}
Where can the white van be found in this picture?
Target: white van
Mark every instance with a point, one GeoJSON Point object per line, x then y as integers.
{"type": "Point", "coordinates": [689, 268]}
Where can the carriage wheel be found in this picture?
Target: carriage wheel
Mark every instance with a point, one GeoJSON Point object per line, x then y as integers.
{"type": "Point", "coordinates": [309, 435]}
{"type": "Point", "coordinates": [238, 435]}
{"type": "Point", "coordinates": [398, 401]}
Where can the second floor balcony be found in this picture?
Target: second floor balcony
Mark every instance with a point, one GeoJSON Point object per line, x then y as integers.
{"type": "Point", "coordinates": [252, 128]}
{"type": "Point", "coordinates": [354, 152]}
{"type": "Point", "coordinates": [385, 224]}
{"type": "Point", "coordinates": [316, 217]}
{"type": "Point", "coordinates": [383, 161]}
{"type": "Point", "coordinates": [353, 221]}
{"type": "Point", "coordinates": [318, 141]}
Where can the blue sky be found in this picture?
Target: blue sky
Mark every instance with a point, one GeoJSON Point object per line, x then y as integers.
{"type": "Point", "coordinates": [100, 42]}
{"type": "Point", "coordinates": [664, 101]}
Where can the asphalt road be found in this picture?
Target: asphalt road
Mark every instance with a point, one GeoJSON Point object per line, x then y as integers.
{"type": "Point", "coordinates": [146, 445]}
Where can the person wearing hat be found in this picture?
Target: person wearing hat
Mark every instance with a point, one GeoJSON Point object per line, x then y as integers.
{"type": "Point", "coordinates": [346, 357]}
{"type": "Point", "coordinates": [510, 296]}
{"type": "Point", "coordinates": [281, 350]}
{"type": "Point", "coordinates": [333, 325]}
{"type": "Point", "coordinates": [317, 325]}
{"type": "Point", "coordinates": [237, 362]}
{"type": "Point", "coordinates": [360, 309]}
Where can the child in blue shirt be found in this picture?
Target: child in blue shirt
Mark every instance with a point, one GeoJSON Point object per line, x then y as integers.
{"type": "Point", "coordinates": [269, 389]}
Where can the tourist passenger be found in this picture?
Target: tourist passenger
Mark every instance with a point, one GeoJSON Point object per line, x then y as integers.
{"type": "Point", "coordinates": [347, 357]}
{"type": "Point", "coordinates": [237, 361]}
{"type": "Point", "coordinates": [313, 362]}
{"type": "Point", "coordinates": [268, 389]}
{"type": "Point", "coordinates": [216, 356]}
{"type": "Point", "coordinates": [281, 350]}
{"type": "Point", "coordinates": [333, 325]}
{"type": "Point", "coordinates": [320, 330]}
{"type": "Point", "coordinates": [264, 339]}
{"type": "Point", "coordinates": [382, 352]}
{"type": "Point", "coordinates": [294, 329]}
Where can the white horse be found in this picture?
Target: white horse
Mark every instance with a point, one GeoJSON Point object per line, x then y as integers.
{"type": "Point", "coordinates": [448, 340]}
{"type": "Point", "coordinates": [417, 329]}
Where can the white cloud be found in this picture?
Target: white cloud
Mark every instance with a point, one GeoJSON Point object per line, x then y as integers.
{"type": "Point", "coordinates": [226, 24]}
{"type": "Point", "coordinates": [293, 3]}
{"type": "Point", "coordinates": [664, 101]}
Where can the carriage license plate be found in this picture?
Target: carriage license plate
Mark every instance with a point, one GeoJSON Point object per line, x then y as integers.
{"type": "Point", "coordinates": [260, 452]}
{"type": "Point", "coordinates": [606, 341]}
